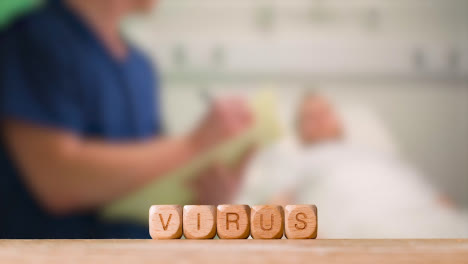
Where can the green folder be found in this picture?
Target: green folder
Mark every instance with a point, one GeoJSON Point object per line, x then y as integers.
{"type": "Point", "coordinates": [170, 189]}
{"type": "Point", "coordinates": [11, 9]}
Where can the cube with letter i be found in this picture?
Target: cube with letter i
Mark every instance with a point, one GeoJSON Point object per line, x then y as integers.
{"type": "Point", "coordinates": [199, 221]}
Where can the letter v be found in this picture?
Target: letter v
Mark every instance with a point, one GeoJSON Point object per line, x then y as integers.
{"type": "Point", "coordinates": [162, 221]}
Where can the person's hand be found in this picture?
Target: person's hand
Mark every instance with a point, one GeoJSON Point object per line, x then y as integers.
{"type": "Point", "coordinates": [219, 184]}
{"type": "Point", "coordinates": [226, 119]}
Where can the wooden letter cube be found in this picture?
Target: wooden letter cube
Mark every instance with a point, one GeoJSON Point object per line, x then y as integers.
{"type": "Point", "coordinates": [199, 221]}
{"type": "Point", "coordinates": [267, 222]}
{"type": "Point", "coordinates": [301, 221]}
{"type": "Point", "coordinates": [165, 221]}
{"type": "Point", "coordinates": [233, 221]}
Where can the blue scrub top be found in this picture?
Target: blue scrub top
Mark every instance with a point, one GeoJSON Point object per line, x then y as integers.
{"type": "Point", "coordinates": [54, 72]}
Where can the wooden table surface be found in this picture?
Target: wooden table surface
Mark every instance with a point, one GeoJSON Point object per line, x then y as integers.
{"type": "Point", "coordinates": [234, 251]}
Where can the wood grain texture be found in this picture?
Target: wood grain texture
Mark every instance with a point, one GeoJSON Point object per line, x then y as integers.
{"type": "Point", "coordinates": [233, 221]}
{"type": "Point", "coordinates": [317, 251]}
{"type": "Point", "coordinates": [165, 221]}
{"type": "Point", "coordinates": [267, 222]}
{"type": "Point", "coordinates": [300, 221]}
{"type": "Point", "coordinates": [199, 221]}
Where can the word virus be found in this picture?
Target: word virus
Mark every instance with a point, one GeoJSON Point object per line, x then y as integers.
{"type": "Point", "coordinates": [233, 221]}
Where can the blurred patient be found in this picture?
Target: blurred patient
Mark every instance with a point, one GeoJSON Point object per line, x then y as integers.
{"type": "Point", "coordinates": [361, 190]}
{"type": "Point", "coordinates": [81, 124]}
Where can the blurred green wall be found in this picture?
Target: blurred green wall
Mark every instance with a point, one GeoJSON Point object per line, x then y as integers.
{"type": "Point", "coordinates": [9, 9]}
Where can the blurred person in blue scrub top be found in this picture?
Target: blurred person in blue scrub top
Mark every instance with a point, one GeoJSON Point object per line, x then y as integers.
{"type": "Point", "coordinates": [80, 121]}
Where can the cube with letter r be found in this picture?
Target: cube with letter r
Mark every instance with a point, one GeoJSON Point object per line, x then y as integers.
{"type": "Point", "coordinates": [233, 221]}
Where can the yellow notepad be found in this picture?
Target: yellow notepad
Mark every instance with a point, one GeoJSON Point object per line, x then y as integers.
{"type": "Point", "coordinates": [170, 189]}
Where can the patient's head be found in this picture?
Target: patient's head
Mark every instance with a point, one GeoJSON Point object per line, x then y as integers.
{"type": "Point", "coordinates": [317, 120]}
